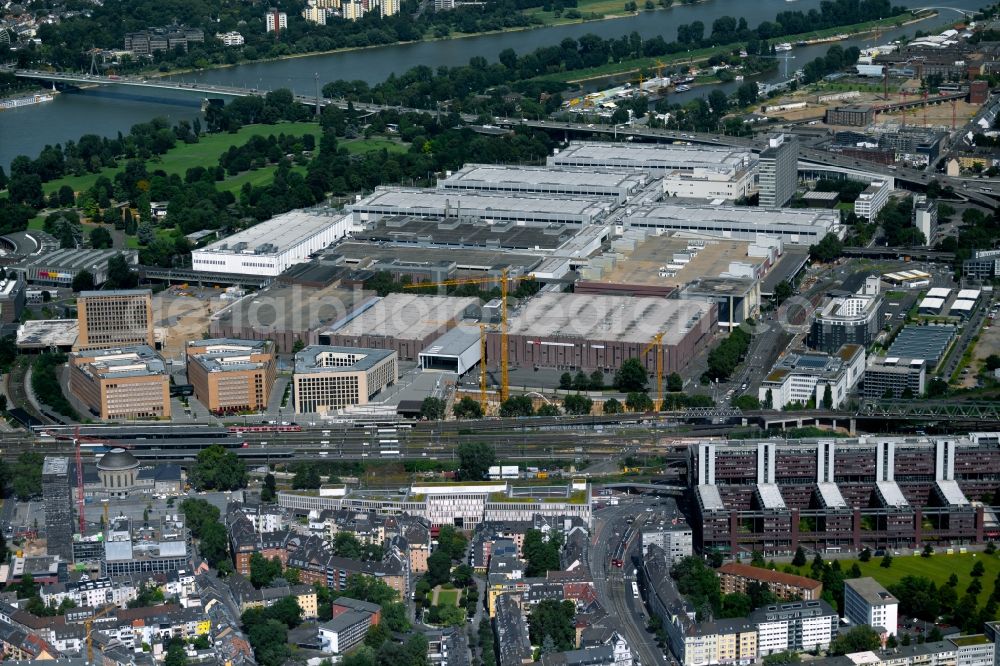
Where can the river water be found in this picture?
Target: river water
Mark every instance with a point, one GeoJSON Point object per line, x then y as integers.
{"type": "Point", "coordinates": [107, 110]}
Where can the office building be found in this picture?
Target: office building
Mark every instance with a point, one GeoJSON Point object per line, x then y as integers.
{"type": "Point", "coordinates": [854, 319]}
{"type": "Point", "coordinates": [329, 378]}
{"type": "Point", "coordinates": [925, 215]}
{"type": "Point", "coordinates": [779, 173]}
{"type": "Point", "coordinates": [799, 226]}
{"type": "Point", "coordinates": [231, 376]}
{"type": "Point", "coordinates": [737, 298]}
{"type": "Point", "coordinates": [891, 375]}
{"type": "Point", "coordinates": [860, 115]}
{"type": "Point", "coordinates": [271, 247]}
{"type": "Point", "coordinates": [115, 318]}
{"type": "Point", "coordinates": [984, 265]}
{"type": "Point", "coordinates": [656, 159]}
{"type": "Point", "coordinates": [866, 602]}
{"type": "Point", "coordinates": [735, 577]}
{"type": "Point", "coordinates": [12, 298]}
{"type": "Point", "coordinates": [157, 545]}
{"type": "Point", "coordinates": [58, 508]}
{"type": "Point", "coordinates": [795, 626]}
{"type": "Point", "coordinates": [275, 21]}
{"type": "Point", "coordinates": [674, 536]}
{"type": "Point", "coordinates": [599, 332]}
{"type": "Point", "coordinates": [121, 382]}
{"type": "Point", "coordinates": [872, 200]}
{"type": "Point", "coordinates": [344, 631]}
{"type": "Point", "coordinates": [801, 377]}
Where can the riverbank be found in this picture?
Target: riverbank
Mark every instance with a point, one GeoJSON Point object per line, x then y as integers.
{"type": "Point", "coordinates": [635, 66]}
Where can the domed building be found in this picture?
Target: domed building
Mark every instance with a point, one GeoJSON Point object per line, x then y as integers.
{"type": "Point", "coordinates": [118, 471]}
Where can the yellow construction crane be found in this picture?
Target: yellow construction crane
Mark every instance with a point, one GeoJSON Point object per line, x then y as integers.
{"type": "Point", "coordinates": [504, 279]}
{"type": "Point", "coordinates": [659, 367]}
{"type": "Point", "coordinates": [88, 625]}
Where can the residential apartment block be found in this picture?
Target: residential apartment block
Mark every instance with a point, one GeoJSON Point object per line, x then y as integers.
{"type": "Point", "coordinates": [735, 577]}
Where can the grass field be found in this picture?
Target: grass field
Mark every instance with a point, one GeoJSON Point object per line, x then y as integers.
{"type": "Point", "coordinates": [361, 146]}
{"type": "Point", "coordinates": [448, 597]}
{"type": "Point", "coordinates": [184, 156]}
{"type": "Point", "coordinates": [937, 568]}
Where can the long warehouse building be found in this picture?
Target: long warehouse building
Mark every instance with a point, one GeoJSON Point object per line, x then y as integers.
{"type": "Point", "coordinates": [600, 332]}
{"type": "Point", "coordinates": [795, 226]}
{"type": "Point", "coordinates": [619, 185]}
{"type": "Point", "coordinates": [271, 247]}
{"type": "Point", "coordinates": [490, 206]}
{"type": "Point", "coordinates": [656, 159]}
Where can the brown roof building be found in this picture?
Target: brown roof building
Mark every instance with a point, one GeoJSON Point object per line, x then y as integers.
{"type": "Point", "coordinates": [231, 376]}
{"type": "Point", "coordinates": [121, 383]}
{"type": "Point", "coordinates": [737, 577]}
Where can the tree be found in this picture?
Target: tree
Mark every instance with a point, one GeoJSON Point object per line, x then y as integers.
{"type": "Point", "coordinates": [307, 477]}
{"type": "Point", "coordinates": [611, 406]}
{"type": "Point", "coordinates": [581, 382]}
{"type": "Point", "coordinates": [553, 619]}
{"type": "Point", "coordinates": [828, 249]}
{"type": "Point", "coordinates": [542, 555]}
{"type": "Point", "coordinates": [547, 409]}
{"type": "Point", "coordinates": [577, 404]}
{"type": "Point", "coordinates": [515, 406]}
{"type": "Point", "coordinates": [26, 475]}
{"type": "Point", "coordinates": [827, 397]}
{"type": "Point", "coordinates": [865, 555]}
{"type": "Point", "coordinates": [213, 544]}
{"type": "Point", "coordinates": [675, 382]}
{"type": "Point", "coordinates": [565, 381]}
{"type": "Point", "coordinates": [782, 292]}
{"type": "Point", "coordinates": [978, 569]}
{"type": "Point", "coordinates": [176, 654]}
{"type": "Point", "coordinates": [270, 642]}
{"type": "Point", "coordinates": [438, 568]}
{"type": "Point", "coordinates": [596, 380]}
{"type": "Point", "coordinates": [631, 376]}
{"type": "Point", "coordinates": [83, 281]}
{"type": "Point", "coordinates": [198, 514]}
{"type": "Point", "coordinates": [467, 408]}
{"type": "Point", "coordinates": [263, 570]}
{"type": "Point", "coordinates": [886, 561]}
{"type": "Point", "coordinates": [861, 638]}
{"type": "Point", "coordinates": [475, 460]}
{"type": "Point", "coordinates": [377, 634]}
{"type": "Point", "coordinates": [120, 276]}
{"type": "Point", "coordinates": [928, 550]}
{"type": "Point", "coordinates": [800, 557]}
{"type": "Point", "coordinates": [452, 542]}
{"type": "Point", "coordinates": [216, 468]}
{"type": "Point", "coordinates": [639, 402]}
{"type": "Point", "coordinates": [432, 408]}
{"type": "Point", "coordinates": [100, 238]}
{"type": "Point", "coordinates": [267, 492]}
{"type": "Point", "coordinates": [747, 402]}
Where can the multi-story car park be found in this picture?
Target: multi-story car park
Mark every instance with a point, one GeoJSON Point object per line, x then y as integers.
{"type": "Point", "coordinates": [844, 494]}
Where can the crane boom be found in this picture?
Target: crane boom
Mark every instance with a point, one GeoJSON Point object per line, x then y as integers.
{"type": "Point", "coordinates": [504, 279]}
{"type": "Point", "coordinates": [659, 367]}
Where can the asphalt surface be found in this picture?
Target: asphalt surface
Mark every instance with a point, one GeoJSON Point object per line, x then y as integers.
{"type": "Point", "coordinates": [614, 584]}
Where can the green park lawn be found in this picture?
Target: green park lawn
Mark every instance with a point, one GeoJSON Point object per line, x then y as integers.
{"type": "Point", "coordinates": [937, 568]}
{"type": "Point", "coordinates": [361, 146]}
{"type": "Point", "coordinates": [185, 156]}
{"type": "Point", "coordinates": [448, 597]}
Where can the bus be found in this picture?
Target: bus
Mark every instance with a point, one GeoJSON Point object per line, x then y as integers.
{"type": "Point", "coordinates": [388, 442]}
{"type": "Point", "coordinates": [635, 589]}
{"type": "Point", "coordinates": [389, 452]}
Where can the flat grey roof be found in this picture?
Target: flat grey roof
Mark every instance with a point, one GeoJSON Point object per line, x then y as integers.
{"type": "Point", "coordinates": [228, 354]}
{"type": "Point", "coordinates": [927, 342]}
{"type": "Point", "coordinates": [407, 316]}
{"type": "Point", "coordinates": [466, 232]}
{"type": "Point", "coordinates": [55, 465]}
{"type": "Point", "coordinates": [417, 257]}
{"type": "Point", "coordinates": [454, 342]}
{"type": "Point", "coordinates": [74, 259]}
{"type": "Point", "coordinates": [48, 333]}
{"type": "Point", "coordinates": [871, 591]}
{"type": "Point", "coordinates": [611, 318]}
{"type": "Point", "coordinates": [279, 233]}
{"type": "Point", "coordinates": [396, 201]}
{"type": "Point", "coordinates": [133, 361]}
{"type": "Point", "coordinates": [363, 358]}
{"type": "Point", "coordinates": [116, 292]}
{"type": "Point", "coordinates": [806, 217]}
{"type": "Point", "coordinates": [651, 156]}
{"type": "Point", "coordinates": [283, 307]}
{"type": "Point", "coordinates": [788, 265]}
{"type": "Point", "coordinates": [532, 177]}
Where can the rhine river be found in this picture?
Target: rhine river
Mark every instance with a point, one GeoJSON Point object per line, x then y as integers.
{"type": "Point", "coordinates": [107, 110]}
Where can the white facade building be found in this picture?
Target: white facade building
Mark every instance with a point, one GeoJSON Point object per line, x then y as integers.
{"type": "Point", "coordinates": [872, 200]}
{"type": "Point", "coordinates": [273, 246]}
{"type": "Point", "coordinates": [275, 20]}
{"type": "Point", "coordinates": [804, 377]}
{"type": "Point", "coordinates": [314, 14]}
{"type": "Point", "coordinates": [790, 225]}
{"type": "Point", "coordinates": [702, 183]}
{"type": "Point", "coordinates": [232, 38]}
{"type": "Point", "coordinates": [796, 626]}
{"type": "Point", "coordinates": [867, 602]}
